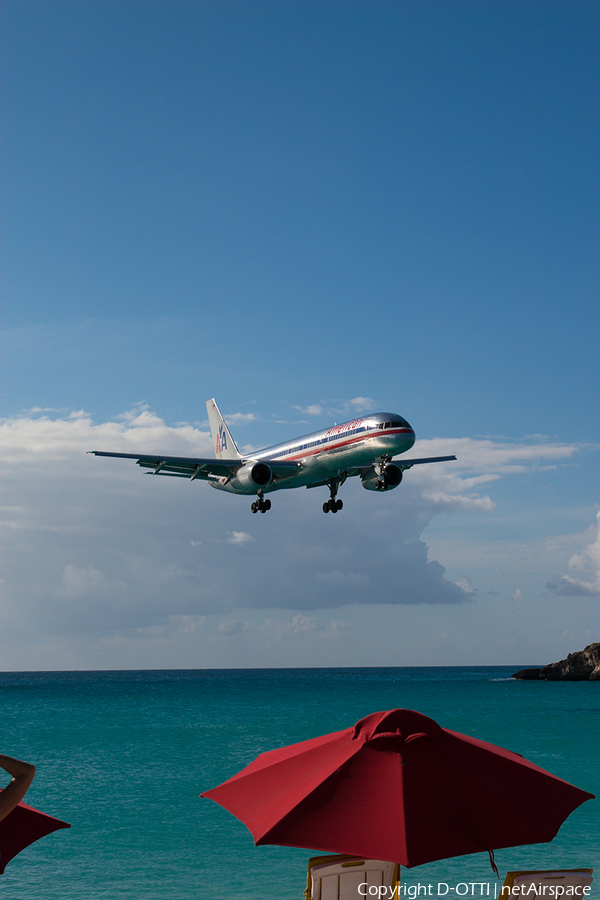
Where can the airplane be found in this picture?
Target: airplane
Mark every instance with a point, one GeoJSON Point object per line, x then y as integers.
{"type": "Point", "coordinates": [364, 446]}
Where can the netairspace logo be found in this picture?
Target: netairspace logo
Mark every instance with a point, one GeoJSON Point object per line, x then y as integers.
{"type": "Point", "coordinates": [474, 889]}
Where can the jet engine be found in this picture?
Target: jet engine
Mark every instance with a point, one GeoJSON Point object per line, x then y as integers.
{"type": "Point", "coordinates": [382, 478]}
{"type": "Point", "coordinates": [252, 476]}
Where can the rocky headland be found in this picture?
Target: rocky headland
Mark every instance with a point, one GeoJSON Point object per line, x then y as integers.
{"type": "Point", "coordinates": [581, 666]}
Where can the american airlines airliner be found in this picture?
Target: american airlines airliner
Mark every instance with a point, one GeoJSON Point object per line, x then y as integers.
{"type": "Point", "coordinates": [364, 446]}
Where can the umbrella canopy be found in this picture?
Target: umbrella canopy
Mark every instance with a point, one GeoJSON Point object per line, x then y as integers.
{"type": "Point", "coordinates": [397, 786]}
{"type": "Point", "coordinates": [22, 827]}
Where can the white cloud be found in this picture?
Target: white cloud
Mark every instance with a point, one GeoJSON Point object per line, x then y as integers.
{"type": "Point", "coordinates": [76, 582]}
{"type": "Point", "coordinates": [39, 409]}
{"type": "Point", "coordinates": [42, 440]}
{"type": "Point", "coordinates": [338, 408]}
{"type": "Point", "coordinates": [239, 537]}
{"type": "Point", "coordinates": [230, 626]}
{"type": "Point", "coordinates": [186, 624]}
{"type": "Point", "coordinates": [240, 418]}
{"type": "Point", "coordinates": [587, 565]}
{"type": "Point", "coordinates": [456, 486]}
{"type": "Point", "coordinates": [277, 629]}
{"type": "Point", "coordinates": [465, 583]}
{"type": "Point", "coordinates": [315, 409]}
{"type": "Point", "coordinates": [361, 403]}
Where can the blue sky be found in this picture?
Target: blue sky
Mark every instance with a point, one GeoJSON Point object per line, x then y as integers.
{"type": "Point", "coordinates": [307, 210]}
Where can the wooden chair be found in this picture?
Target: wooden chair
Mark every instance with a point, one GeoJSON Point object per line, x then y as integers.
{"type": "Point", "coordinates": [339, 877]}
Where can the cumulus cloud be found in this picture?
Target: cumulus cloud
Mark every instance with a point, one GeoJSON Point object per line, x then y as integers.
{"type": "Point", "coordinates": [465, 583]}
{"type": "Point", "coordinates": [362, 403]}
{"type": "Point", "coordinates": [239, 537]}
{"type": "Point", "coordinates": [315, 409]}
{"type": "Point", "coordinates": [457, 486]}
{"type": "Point", "coordinates": [95, 547]}
{"type": "Point", "coordinates": [240, 418]}
{"type": "Point", "coordinates": [585, 564]}
{"type": "Point", "coordinates": [40, 440]}
{"type": "Point", "coordinates": [338, 408]}
{"type": "Point", "coordinates": [230, 626]}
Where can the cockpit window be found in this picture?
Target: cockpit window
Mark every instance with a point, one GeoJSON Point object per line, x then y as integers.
{"type": "Point", "coordinates": [399, 423]}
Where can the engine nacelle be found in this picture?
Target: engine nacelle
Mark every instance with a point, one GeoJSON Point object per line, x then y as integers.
{"type": "Point", "coordinates": [252, 476]}
{"type": "Point", "coordinates": [387, 480]}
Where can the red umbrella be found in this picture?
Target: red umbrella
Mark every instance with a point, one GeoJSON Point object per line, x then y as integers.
{"type": "Point", "coordinates": [398, 787]}
{"type": "Point", "coordinates": [22, 827]}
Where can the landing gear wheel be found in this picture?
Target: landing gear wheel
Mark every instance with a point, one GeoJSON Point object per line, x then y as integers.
{"type": "Point", "coordinates": [260, 505]}
{"type": "Point", "coordinates": [333, 505]}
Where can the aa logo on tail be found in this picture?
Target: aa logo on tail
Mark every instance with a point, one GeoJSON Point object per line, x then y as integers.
{"type": "Point", "coordinates": [221, 439]}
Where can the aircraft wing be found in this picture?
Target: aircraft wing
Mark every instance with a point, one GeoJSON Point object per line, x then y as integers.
{"type": "Point", "coordinates": [192, 467]}
{"type": "Point", "coordinates": [407, 463]}
{"type": "Point", "coordinates": [401, 463]}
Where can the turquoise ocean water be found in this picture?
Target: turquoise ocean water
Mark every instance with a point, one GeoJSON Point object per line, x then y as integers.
{"type": "Point", "coordinates": [123, 756]}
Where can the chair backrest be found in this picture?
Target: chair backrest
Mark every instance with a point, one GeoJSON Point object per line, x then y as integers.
{"type": "Point", "coordinates": [339, 877]}
{"type": "Point", "coordinates": [547, 885]}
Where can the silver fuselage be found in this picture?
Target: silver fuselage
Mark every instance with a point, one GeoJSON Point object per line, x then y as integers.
{"type": "Point", "coordinates": [332, 452]}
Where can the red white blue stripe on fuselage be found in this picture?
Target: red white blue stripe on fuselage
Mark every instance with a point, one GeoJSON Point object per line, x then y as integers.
{"type": "Point", "coordinates": [367, 432]}
{"type": "Point", "coordinates": [359, 442]}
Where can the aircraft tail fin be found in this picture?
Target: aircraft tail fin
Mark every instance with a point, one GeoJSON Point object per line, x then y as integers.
{"type": "Point", "coordinates": [224, 445]}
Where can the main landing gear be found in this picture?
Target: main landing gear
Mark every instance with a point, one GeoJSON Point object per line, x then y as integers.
{"type": "Point", "coordinates": [332, 504]}
{"type": "Point", "coordinates": [261, 505]}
